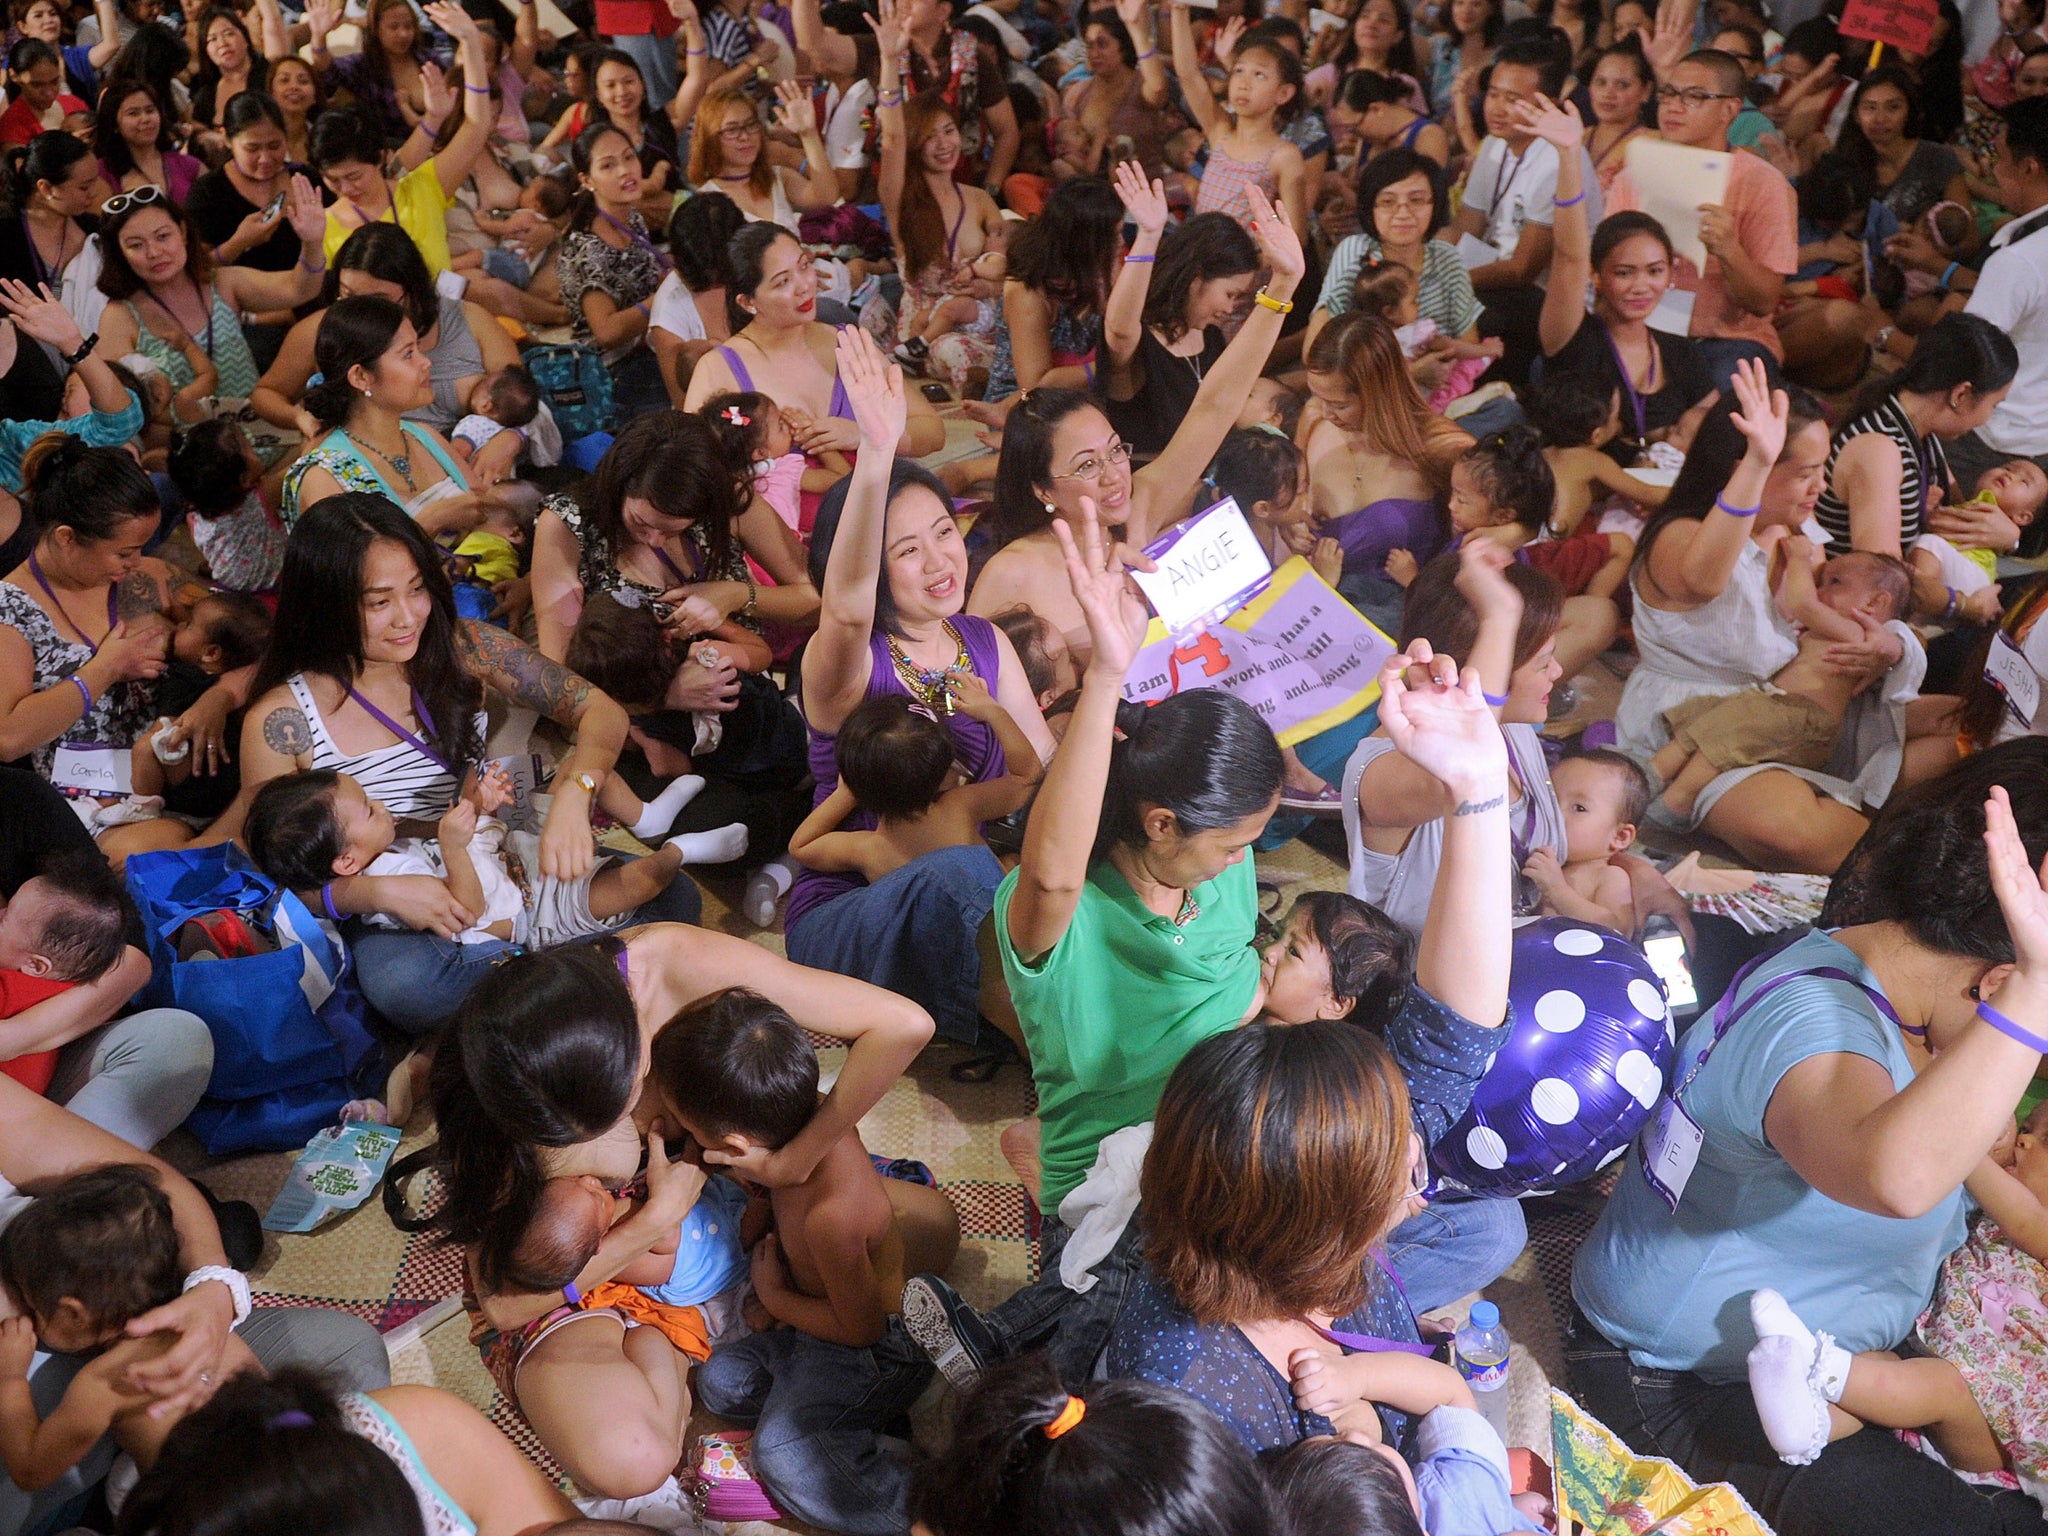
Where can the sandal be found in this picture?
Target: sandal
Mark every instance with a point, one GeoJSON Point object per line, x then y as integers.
{"type": "Point", "coordinates": [1329, 801]}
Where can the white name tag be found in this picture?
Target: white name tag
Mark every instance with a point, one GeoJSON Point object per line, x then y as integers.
{"type": "Point", "coordinates": [1671, 1150]}
{"type": "Point", "coordinates": [1207, 568]}
{"type": "Point", "coordinates": [2012, 675]}
{"type": "Point", "coordinates": [88, 768]}
{"type": "Point", "coordinates": [1475, 252]}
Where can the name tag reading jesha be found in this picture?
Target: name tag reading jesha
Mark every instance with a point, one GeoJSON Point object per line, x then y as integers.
{"type": "Point", "coordinates": [1208, 567]}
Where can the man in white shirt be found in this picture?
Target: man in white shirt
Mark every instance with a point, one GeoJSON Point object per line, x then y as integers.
{"type": "Point", "coordinates": [2012, 293]}
{"type": "Point", "coordinates": [1509, 203]}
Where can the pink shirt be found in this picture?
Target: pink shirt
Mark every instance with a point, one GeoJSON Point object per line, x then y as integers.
{"type": "Point", "coordinates": [1767, 225]}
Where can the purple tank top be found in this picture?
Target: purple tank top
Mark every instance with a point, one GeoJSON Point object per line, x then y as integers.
{"type": "Point", "coordinates": [979, 752]}
{"type": "Point", "coordinates": [840, 406]}
{"type": "Point", "coordinates": [1379, 526]}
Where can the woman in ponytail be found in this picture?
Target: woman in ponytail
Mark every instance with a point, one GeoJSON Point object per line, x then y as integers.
{"type": "Point", "coordinates": [373, 371]}
{"type": "Point", "coordinates": [50, 186]}
{"type": "Point", "coordinates": [1131, 1459]}
{"type": "Point", "coordinates": [290, 1453]}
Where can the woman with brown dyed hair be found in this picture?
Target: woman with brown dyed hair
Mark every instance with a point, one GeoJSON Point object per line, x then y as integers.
{"type": "Point", "coordinates": [1279, 1160]}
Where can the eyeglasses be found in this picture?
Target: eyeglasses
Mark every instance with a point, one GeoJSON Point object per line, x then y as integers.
{"type": "Point", "coordinates": [141, 197]}
{"type": "Point", "coordinates": [1695, 97]}
{"type": "Point", "coordinates": [739, 133]}
{"type": "Point", "coordinates": [1091, 468]}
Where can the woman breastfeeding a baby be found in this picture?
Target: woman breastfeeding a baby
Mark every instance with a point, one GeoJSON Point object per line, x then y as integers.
{"type": "Point", "coordinates": [536, 1089]}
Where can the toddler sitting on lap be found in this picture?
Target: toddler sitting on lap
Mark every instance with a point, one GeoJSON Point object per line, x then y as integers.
{"type": "Point", "coordinates": [65, 928]}
{"type": "Point", "coordinates": [1795, 717]}
{"type": "Point", "coordinates": [1604, 796]}
{"type": "Point", "coordinates": [306, 828]}
{"type": "Point", "coordinates": [1980, 1402]}
{"type": "Point", "coordinates": [91, 1253]}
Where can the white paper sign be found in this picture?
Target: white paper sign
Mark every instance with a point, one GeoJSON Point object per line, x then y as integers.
{"type": "Point", "coordinates": [1475, 252]}
{"type": "Point", "coordinates": [1673, 182]}
{"type": "Point", "coordinates": [1673, 314]}
{"type": "Point", "coordinates": [88, 768]}
{"type": "Point", "coordinates": [1206, 568]}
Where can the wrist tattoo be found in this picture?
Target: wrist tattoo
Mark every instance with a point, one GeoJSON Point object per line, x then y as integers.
{"type": "Point", "coordinates": [1481, 807]}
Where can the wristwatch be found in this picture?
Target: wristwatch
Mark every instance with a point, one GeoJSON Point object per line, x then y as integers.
{"type": "Point", "coordinates": [73, 359]}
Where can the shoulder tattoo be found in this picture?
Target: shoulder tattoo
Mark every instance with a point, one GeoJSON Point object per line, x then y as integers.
{"type": "Point", "coordinates": [287, 732]}
{"type": "Point", "coordinates": [138, 596]}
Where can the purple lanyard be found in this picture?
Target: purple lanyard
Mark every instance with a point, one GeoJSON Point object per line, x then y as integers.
{"type": "Point", "coordinates": [43, 273]}
{"type": "Point", "coordinates": [638, 239]}
{"type": "Point", "coordinates": [411, 738]}
{"type": "Point", "coordinates": [113, 613]}
{"type": "Point", "coordinates": [1728, 1011]}
{"type": "Point", "coordinates": [1628, 385]}
{"type": "Point", "coordinates": [1367, 1344]}
{"type": "Point", "coordinates": [682, 579]}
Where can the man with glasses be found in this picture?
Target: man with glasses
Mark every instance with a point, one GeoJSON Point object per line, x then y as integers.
{"type": "Point", "coordinates": [1751, 236]}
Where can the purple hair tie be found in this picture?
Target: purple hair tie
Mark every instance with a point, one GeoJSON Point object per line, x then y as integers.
{"type": "Point", "coordinates": [292, 1418]}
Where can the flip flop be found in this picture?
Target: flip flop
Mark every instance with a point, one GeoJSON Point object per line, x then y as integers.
{"type": "Point", "coordinates": [1328, 802]}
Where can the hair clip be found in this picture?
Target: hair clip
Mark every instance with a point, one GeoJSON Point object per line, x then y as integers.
{"type": "Point", "coordinates": [1067, 1418]}
{"type": "Point", "coordinates": [738, 418]}
{"type": "Point", "coordinates": [292, 1418]}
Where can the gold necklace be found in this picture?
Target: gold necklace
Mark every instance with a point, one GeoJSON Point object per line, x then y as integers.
{"type": "Point", "coordinates": [927, 685]}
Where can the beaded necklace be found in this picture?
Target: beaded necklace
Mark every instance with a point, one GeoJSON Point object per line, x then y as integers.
{"type": "Point", "coordinates": [927, 685]}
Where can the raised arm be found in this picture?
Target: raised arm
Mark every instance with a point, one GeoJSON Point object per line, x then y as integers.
{"type": "Point", "coordinates": [1161, 490]}
{"type": "Point", "coordinates": [830, 52]}
{"type": "Point", "coordinates": [837, 660]}
{"type": "Point", "coordinates": [793, 115]}
{"type": "Point", "coordinates": [274, 36]}
{"type": "Point", "coordinates": [1838, 1121]}
{"type": "Point", "coordinates": [1136, 15]}
{"type": "Point", "coordinates": [252, 291]}
{"type": "Point", "coordinates": [1123, 317]}
{"type": "Point", "coordinates": [890, 169]}
{"type": "Point", "coordinates": [1060, 836]}
{"type": "Point", "coordinates": [109, 16]}
{"type": "Point", "coordinates": [526, 40]}
{"type": "Point", "coordinates": [1187, 68]}
{"type": "Point", "coordinates": [453, 164]}
{"type": "Point", "coordinates": [1571, 236]}
{"type": "Point", "coordinates": [1698, 568]}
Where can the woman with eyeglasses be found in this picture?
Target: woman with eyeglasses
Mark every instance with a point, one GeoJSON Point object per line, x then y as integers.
{"type": "Point", "coordinates": [779, 348]}
{"type": "Point", "coordinates": [1060, 453]}
{"type": "Point", "coordinates": [729, 154]}
{"type": "Point", "coordinates": [168, 294]}
{"type": "Point", "coordinates": [131, 133]}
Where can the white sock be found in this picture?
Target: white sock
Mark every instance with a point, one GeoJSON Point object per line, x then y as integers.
{"type": "Point", "coordinates": [1774, 1318]}
{"type": "Point", "coordinates": [660, 813]}
{"type": "Point", "coordinates": [768, 885]}
{"type": "Point", "coordinates": [720, 846]}
{"type": "Point", "coordinates": [1794, 1414]}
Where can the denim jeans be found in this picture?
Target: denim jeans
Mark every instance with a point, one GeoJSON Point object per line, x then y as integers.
{"type": "Point", "coordinates": [1458, 1244]}
{"type": "Point", "coordinates": [1722, 353]}
{"type": "Point", "coordinates": [345, 1349]}
{"type": "Point", "coordinates": [1869, 1482]}
{"type": "Point", "coordinates": [416, 980]}
{"type": "Point", "coordinates": [139, 1077]}
{"type": "Point", "coordinates": [818, 1411]}
{"type": "Point", "coordinates": [1073, 1327]}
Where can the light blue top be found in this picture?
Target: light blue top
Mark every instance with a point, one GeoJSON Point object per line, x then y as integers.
{"type": "Point", "coordinates": [709, 1259]}
{"type": "Point", "coordinates": [1674, 1289]}
{"type": "Point", "coordinates": [1461, 1477]}
{"type": "Point", "coordinates": [96, 429]}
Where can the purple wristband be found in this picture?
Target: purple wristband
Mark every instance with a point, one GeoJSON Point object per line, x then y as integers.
{"type": "Point", "coordinates": [1496, 700]}
{"type": "Point", "coordinates": [575, 1296]}
{"type": "Point", "coordinates": [327, 901]}
{"type": "Point", "coordinates": [1722, 503]}
{"type": "Point", "coordinates": [2012, 1029]}
{"type": "Point", "coordinates": [83, 691]}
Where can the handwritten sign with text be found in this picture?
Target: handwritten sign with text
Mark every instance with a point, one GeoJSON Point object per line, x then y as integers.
{"type": "Point", "coordinates": [1207, 566]}
{"type": "Point", "coordinates": [1297, 653]}
{"type": "Point", "coordinates": [1907, 25]}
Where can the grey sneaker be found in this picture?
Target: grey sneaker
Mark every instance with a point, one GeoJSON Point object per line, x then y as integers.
{"type": "Point", "coordinates": [946, 1328]}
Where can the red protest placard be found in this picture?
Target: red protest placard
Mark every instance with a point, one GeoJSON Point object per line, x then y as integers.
{"type": "Point", "coordinates": [1907, 25]}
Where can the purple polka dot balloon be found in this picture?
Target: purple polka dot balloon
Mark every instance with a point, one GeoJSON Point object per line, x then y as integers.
{"type": "Point", "coordinates": [1588, 1055]}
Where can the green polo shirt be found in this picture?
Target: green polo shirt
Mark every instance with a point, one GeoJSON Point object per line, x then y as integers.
{"type": "Point", "coordinates": [1124, 995]}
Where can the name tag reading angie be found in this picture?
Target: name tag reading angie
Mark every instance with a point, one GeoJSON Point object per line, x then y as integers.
{"type": "Point", "coordinates": [1208, 568]}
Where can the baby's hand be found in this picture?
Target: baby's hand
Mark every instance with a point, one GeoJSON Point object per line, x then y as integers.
{"type": "Point", "coordinates": [1798, 547]}
{"type": "Point", "coordinates": [1315, 1379]}
{"type": "Point", "coordinates": [1983, 606]}
{"type": "Point", "coordinates": [17, 1347]}
{"type": "Point", "coordinates": [1328, 559]}
{"type": "Point", "coordinates": [1544, 869]}
{"type": "Point", "coordinates": [458, 824]}
{"type": "Point", "coordinates": [494, 789]}
{"type": "Point", "coordinates": [1401, 567]}
{"type": "Point", "coordinates": [971, 696]}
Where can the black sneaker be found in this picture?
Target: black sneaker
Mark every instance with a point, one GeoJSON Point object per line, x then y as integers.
{"type": "Point", "coordinates": [946, 1328]}
{"type": "Point", "coordinates": [241, 1229]}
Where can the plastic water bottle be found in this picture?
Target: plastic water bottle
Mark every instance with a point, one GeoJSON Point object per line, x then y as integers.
{"type": "Point", "coordinates": [1482, 1346]}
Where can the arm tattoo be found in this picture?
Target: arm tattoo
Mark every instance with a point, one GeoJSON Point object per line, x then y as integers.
{"type": "Point", "coordinates": [138, 597]}
{"type": "Point", "coordinates": [286, 732]}
{"type": "Point", "coordinates": [524, 675]}
{"type": "Point", "coordinates": [1480, 807]}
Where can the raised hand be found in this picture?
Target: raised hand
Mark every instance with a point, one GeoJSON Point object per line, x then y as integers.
{"type": "Point", "coordinates": [1136, 15]}
{"type": "Point", "coordinates": [1763, 415]}
{"type": "Point", "coordinates": [684, 12]}
{"type": "Point", "coordinates": [1279, 241]}
{"type": "Point", "coordinates": [455, 21]}
{"type": "Point", "coordinates": [793, 114]}
{"type": "Point", "coordinates": [1228, 39]}
{"type": "Point", "coordinates": [1670, 38]}
{"type": "Point", "coordinates": [302, 206]}
{"type": "Point", "coordinates": [321, 17]}
{"type": "Point", "coordinates": [1144, 200]}
{"type": "Point", "coordinates": [1554, 122]}
{"type": "Point", "coordinates": [1443, 725]}
{"type": "Point", "coordinates": [1097, 573]}
{"type": "Point", "coordinates": [874, 387]}
{"type": "Point", "coordinates": [2022, 892]}
{"type": "Point", "coordinates": [887, 25]}
{"type": "Point", "coordinates": [38, 313]}
{"type": "Point", "coordinates": [434, 89]}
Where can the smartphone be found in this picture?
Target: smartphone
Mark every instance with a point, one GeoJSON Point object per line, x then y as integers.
{"type": "Point", "coordinates": [938, 394]}
{"type": "Point", "coordinates": [1666, 953]}
{"type": "Point", "coordinates": [271, 208]}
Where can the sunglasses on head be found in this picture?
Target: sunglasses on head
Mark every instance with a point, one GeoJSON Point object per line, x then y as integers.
{"type": "Point", "coordinates": [141, 197]}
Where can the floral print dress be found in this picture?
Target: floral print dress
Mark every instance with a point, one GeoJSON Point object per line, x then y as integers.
{"type": "Point", "coordinates": [116, 718]}
{"type": "Point", "coordinates": [1989, 1319]}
